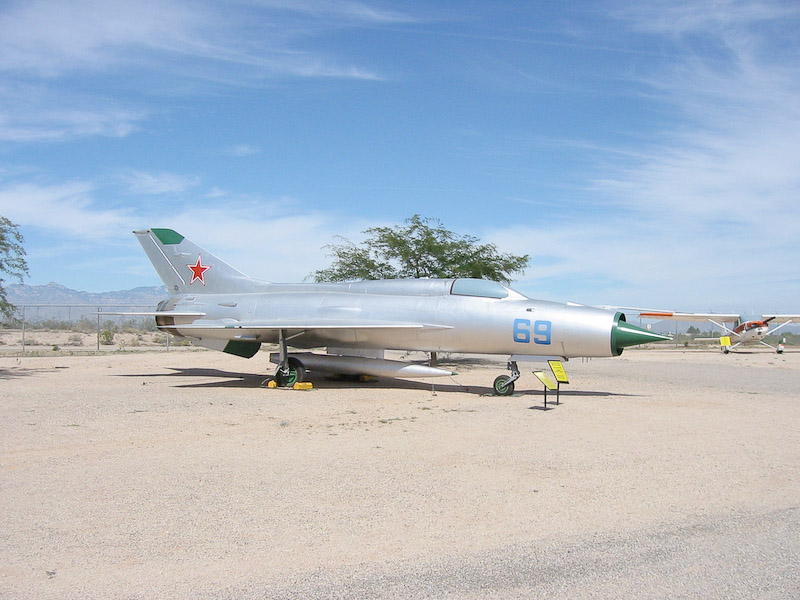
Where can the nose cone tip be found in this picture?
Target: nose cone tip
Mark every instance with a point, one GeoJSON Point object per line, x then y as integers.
{"type": "Point", "coordinates": [624, 334]}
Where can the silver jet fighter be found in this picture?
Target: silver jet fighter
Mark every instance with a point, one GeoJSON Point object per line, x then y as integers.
{"type": "Point", "coordinates": [218, 307]}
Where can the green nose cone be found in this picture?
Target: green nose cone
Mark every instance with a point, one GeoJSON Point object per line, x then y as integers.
{"type": "Point", "coordinates": [624, 334]}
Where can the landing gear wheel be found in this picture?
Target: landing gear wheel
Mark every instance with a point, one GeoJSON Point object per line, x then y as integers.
{"type": "Point", "coordinates": [293, 373]}
{"type": "Point", "coordinates": [503, 386]}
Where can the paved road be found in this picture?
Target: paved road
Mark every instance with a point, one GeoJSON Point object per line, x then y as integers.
{"type": "Point", "coordinates": [739, 556]}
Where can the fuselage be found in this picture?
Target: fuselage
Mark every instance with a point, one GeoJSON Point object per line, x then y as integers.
{"type": "Point", "coordinates": [751, 332]}
{"type": "Point", "coordinates": [451, 315]}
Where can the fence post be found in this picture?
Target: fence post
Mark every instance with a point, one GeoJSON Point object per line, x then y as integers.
{"type": "Point", "coordinates": [98, 330]}
{"type": "Point", "coordinates": [23, 329]}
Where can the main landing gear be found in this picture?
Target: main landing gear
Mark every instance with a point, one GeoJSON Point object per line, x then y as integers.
{"type": "Point", "coordinates": [290, 373]}
{"type": "Point", "coordinates": [290, 370]}
{"type": "Point", "coordinates": [504, 385]}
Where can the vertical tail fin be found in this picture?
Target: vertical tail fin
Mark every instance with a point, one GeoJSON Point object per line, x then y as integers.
{"type": "Point", "coordinates": [184, 267]}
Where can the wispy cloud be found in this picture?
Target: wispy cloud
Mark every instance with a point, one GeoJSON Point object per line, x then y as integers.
{"type": "Point", "coordinates": [65, 209]}
{"type": "Point", "coordinates": [242, 150]}
{"type": "Point", "coordinates": [734, 153]}
{"type": "Point", "coordinates": [703, 209]}
{"type": "Point", "coordinates": [715, 17]}
{"type": "Point", "coordinates": [342, 12]}
{"type": "Point", "coordinates": [272, 239]}
{"type": "Point", "coordinates": [30, 112]}
{"type": "Point", "coordinates": [50, 38]}
{"type": "Point", "coordinates": [47, 46]}
{"type": "Point", "coordinates": [140, 182]}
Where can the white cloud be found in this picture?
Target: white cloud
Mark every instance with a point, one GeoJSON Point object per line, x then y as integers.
{"type": "Point", "coordinates": [140, 182]}
{"type": "Point", "coordinates": [34, 113]}
{"type": "Point", "coordinates": [734, 154]}
{"type": "Point", "coordinates": [275, 241]}
{"type": "Point", "coordinates": [678, 18]}
{"type": "Point", "coordinates": [49, 38]}
{"type": "Point", "coordinates": [705, 211]}
{"type": "Point", "coordinates": [242, 150]}
{"type": "Point", "coordinates": [66, 209]}
{"type": "Point", "coordinates": [47, 46]}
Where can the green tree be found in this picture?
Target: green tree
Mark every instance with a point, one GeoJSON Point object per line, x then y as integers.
{"type": "Point", "coordinates": [12, 261]}
{"type": "Point", "coordinates": [421, 247]}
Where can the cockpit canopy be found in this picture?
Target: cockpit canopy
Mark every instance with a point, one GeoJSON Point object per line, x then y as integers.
{"type": "Point", "coordinates": [481, 288]}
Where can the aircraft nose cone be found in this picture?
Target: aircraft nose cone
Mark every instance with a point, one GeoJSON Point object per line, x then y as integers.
{"type": "Point", "coordinates": [624, 334]}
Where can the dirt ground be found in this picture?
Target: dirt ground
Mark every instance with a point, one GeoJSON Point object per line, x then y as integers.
{"type": "Point", "coordinates": [661, 474]}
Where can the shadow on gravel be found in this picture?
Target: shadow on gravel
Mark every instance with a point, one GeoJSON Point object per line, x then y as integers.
{"type": "Point", "coordinates": [230, 379]}
{"type": "Point", "coordinates": [19, 372]}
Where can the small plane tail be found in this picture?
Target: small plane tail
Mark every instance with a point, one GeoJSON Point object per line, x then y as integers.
{"type": "Point", "coordinates": [184, 267]}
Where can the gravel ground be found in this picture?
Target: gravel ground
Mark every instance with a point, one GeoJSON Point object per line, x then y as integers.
{"type": "Point", "coordinates": [662, 474]}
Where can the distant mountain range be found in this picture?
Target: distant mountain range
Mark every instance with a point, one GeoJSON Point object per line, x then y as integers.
{"type": "Point", "coordinates": [54, 293]}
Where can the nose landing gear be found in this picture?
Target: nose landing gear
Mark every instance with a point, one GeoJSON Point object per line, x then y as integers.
{"type": "Point", "coordinates": [504, 385]}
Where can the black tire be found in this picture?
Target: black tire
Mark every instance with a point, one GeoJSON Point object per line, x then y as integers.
{"type": "Point", "coordinates": [502, 386]}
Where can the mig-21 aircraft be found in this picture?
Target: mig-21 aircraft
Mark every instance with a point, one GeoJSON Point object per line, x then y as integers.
{"type": "Point", "coordinates": [216, 306]}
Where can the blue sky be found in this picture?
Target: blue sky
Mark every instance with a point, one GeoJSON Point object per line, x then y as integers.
{"type": "Point", "coordinates": [642, 153]}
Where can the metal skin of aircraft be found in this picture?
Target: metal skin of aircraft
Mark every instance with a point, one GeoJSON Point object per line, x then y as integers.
{"type": "Point", "coordinates": [216, 306]}
{"type": "Point", "coordinates": [747, 330]}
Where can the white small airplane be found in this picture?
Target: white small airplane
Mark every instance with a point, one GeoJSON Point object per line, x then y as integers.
{"type": "Point", "coordinates": [747, 329]}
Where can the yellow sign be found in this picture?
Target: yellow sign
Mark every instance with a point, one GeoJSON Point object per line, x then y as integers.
{"type": "Point", "coordinates": [725, 341]}
{"type": "Point", "coordinates": [549, 383]}
{"type": "Point", "coordinates": [558, 371]}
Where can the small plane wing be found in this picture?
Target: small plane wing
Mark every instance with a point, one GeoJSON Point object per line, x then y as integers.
{"type": "Point", "coordinates": [652, 313]}
{"type": "Point", "coordinates": [684, 316]}
{"type": "Point", "coordinates": [781, 318]}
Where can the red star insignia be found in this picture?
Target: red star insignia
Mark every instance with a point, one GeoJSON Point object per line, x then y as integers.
{"type": "Point", "coordinates": [198, 269]}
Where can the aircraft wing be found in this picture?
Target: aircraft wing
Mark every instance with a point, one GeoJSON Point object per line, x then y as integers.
{"type": "Point", "coordinates": [653, 313]}
{"type": "Point", "coordinates": [781, 318]}
{"type": "Point", "coordinates": [305, 325]}
{"type": "Point", "coordinates": [294, 324]}
{"type": "Point", "coordinates": [685, 316]}
{"type": "Point", "coordinates": [157, 313]}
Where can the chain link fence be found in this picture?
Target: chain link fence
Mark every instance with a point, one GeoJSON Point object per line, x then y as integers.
{"type": "Point", "coordinates": [80, 328]}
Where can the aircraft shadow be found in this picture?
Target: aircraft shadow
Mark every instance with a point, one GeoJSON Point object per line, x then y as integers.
{"type": "Point", "coordinates": [232, 379]}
